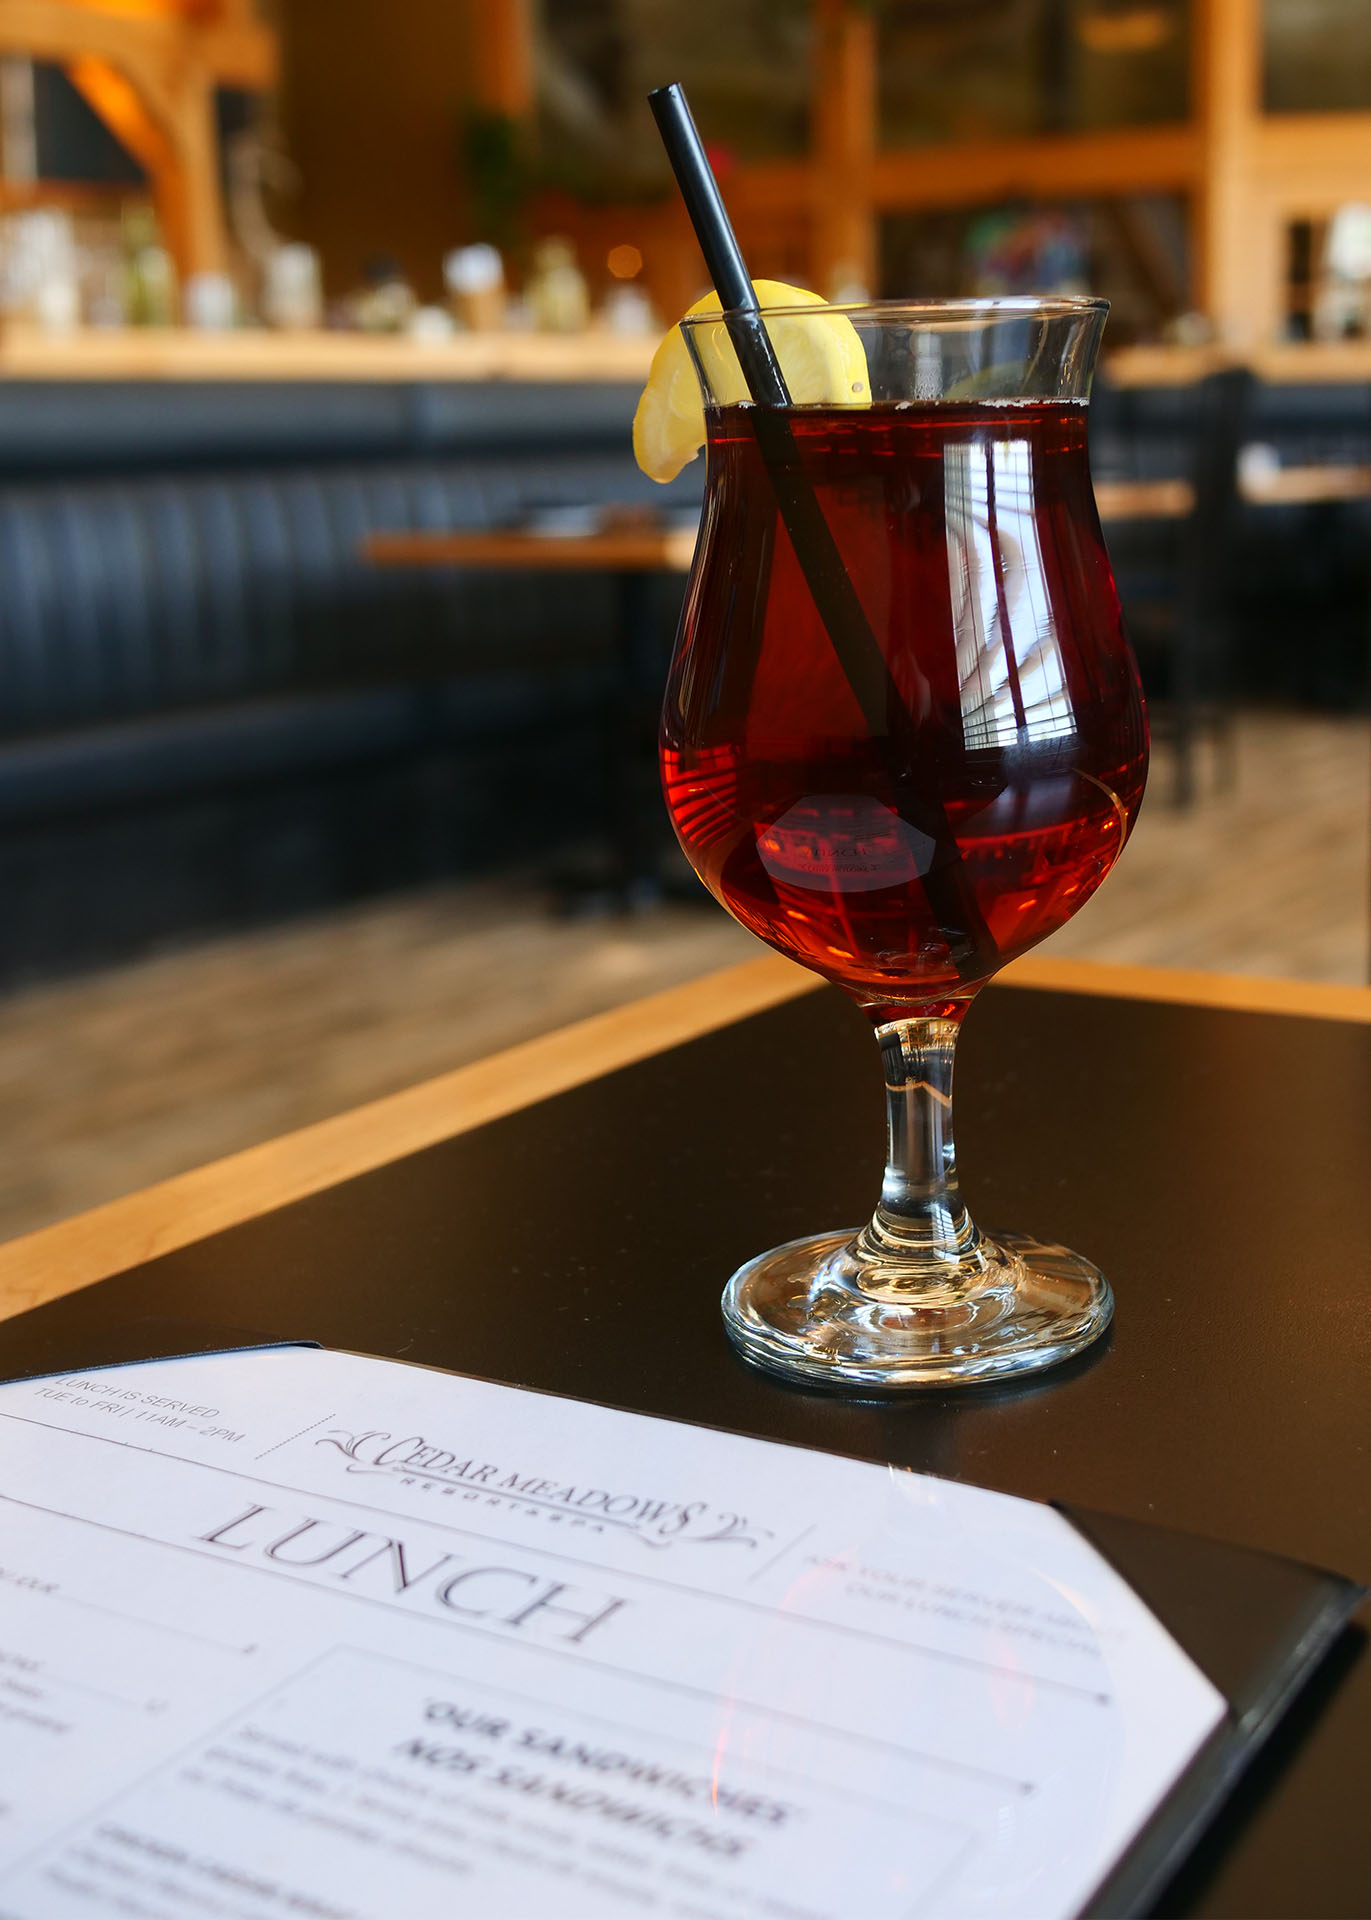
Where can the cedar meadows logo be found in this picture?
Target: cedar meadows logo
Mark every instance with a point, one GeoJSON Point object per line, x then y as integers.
{"type": "Point", "coordinates": [414, 1461]}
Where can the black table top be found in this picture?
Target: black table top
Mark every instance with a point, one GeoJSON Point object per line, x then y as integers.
{"type": "Point", "coordinates": [1214, 1164]}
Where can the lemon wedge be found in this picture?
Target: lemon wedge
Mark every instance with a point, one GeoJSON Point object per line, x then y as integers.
{"type": "Point", "coordinates": [821, 356]}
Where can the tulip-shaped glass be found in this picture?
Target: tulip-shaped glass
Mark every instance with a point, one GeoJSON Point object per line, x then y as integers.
{"type": "Point", "coordinates": [903, 741]}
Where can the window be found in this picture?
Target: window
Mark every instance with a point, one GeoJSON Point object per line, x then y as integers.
{"type": "Point", "coordinates": [744, 63]}
{"type": "Point", "coordinates": [1317, 55]}
{"type": "Point", "coordinates": [991, 69]}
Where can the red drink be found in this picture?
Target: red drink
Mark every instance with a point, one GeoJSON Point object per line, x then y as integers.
{"type": "Point", "coordinates": [907, 866]}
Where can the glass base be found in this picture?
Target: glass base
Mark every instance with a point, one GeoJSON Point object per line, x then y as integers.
{"type": "Point", "coordinates": [800, 1312]}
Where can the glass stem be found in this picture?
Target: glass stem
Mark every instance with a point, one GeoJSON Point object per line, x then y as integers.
{"type": "Point", "coordinates": [921, 1233]}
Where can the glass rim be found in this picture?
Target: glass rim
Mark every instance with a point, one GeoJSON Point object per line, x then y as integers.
{"type": "Point", "coordinates": [928, 312]}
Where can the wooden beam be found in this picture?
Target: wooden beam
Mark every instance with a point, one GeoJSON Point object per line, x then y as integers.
{"type": "Point", "coordinates": [240, 52]}
{"type": "Point", "coordinates": [205, 242]}
{"type": "Point", "coordinates": [503, 72]}
{"type": "Point", "coordinates": [178, 147]}
{"type": "Point", "coordinates": [979, 172]}
{"type": "Point", "coordinates": [52, 30]}
{"type": "Point", "coordinates": [844, 146]}
{"type": "Point", "coordinates": [112, 96]}
{"type": "Point", "coordinates": [151, 48]}
{"type": "Point", "coordinates": [772, 186]}
{"type": "Point", "coordinates": [1309, 164]}
{"type": "Point", "coordinates": [1231, 245]}
{"type": "Point", "coordinates": [77, 196]}
{"type": "Point", "coordinates": [151, 76]}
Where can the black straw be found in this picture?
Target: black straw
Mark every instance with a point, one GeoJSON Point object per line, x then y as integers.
{"type": "Point", "coordinates": [946, 884]}
{"type": "Point", "coordinates": [719, 245]}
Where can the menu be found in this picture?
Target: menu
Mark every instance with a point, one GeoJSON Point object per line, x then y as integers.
{"type": "Point", "coordinates": [302, 1635]}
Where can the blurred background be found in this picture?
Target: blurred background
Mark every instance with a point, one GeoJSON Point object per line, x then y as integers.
{"type": "Point", "coordinates": [294, 809]}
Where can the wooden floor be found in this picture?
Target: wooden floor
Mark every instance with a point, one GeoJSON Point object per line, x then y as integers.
{"type": "Point", "coordinates": [1272, 877]}
{"type": "Point", "coordinates": [112, 1082]}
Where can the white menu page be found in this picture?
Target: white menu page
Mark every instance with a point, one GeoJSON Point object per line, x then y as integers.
{"type": "Point", "coordinates": [296, 1635]}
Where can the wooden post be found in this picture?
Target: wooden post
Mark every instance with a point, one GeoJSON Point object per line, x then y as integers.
{"type": "Point", "coordinates": [844, 240]}
{"type": "Point", "coordinates": [503, 74]}
{"type": "Point", "coordinates": [205, 248]}
{"type": "Point", "coordinates": [151, 76]}
{"type": "Point", "coordinates": [176, 142]}
{"type": "Point", "coordinates": [114, 98]}
{"type": "Point", "coordinates": [1232, 247]}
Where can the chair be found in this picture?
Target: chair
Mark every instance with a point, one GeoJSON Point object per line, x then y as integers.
{"type": "Point", "coordinates": [1177, 594]}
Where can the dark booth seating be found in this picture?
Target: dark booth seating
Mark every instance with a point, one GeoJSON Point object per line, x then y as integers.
{"type": "Point", "coordinates": [1278, 595]}
{"type": "Point", "coordinates": [213, 711]}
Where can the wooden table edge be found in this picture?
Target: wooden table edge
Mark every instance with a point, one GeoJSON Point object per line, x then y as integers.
{"type": "Point", "coordinates": [108, 1239]}
{"type": "Point", "coordinates": [1144, 499]}
{"type": "Point", "coordinates": [653, 550]}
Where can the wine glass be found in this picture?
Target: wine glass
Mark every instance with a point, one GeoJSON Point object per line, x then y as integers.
{"type": "Point", "coordinates": [903, 741]}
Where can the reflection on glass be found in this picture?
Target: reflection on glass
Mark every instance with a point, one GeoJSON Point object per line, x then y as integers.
{"type": "Point", "coordinates": [904, 780]}
{"type": "Point", "coordinates": [1010, 676]}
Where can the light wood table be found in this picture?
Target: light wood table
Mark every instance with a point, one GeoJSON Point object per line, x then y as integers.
{"type": "Point", "coordinates": [652, 551]}
{"type": "Point", "coordinates": [1282, 487]}
{"type": "Point", "coordinates": [615, 550]}
{"type": "Point", "coordinates": [1314, 363]}
{"type": "Point", "coordinates": [672, 551]}
{"type": "Point", "coordinates": [1306, 486]}
{"type": "Point", "coordinates": [1144, 499]}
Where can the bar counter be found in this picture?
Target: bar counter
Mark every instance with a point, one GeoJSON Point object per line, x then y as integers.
{"type": "Point", "coordinates": [253, 354]}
